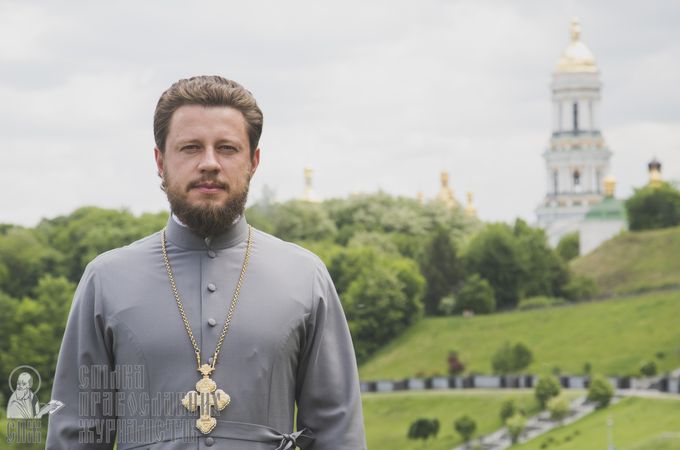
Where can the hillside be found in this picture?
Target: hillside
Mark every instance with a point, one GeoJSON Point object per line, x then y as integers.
{"type": "Point", "coordinates": [637, 423]}
{"type": "Point", "coordinates": [388, 416]}
{"type": "Point", "coordinates": [613, 335]}
{"type": "Point", "coordinates": [634, 262]}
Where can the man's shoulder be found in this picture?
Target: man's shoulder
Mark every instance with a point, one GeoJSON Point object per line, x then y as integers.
{"type": "Point", "coordinates": [128, 255]}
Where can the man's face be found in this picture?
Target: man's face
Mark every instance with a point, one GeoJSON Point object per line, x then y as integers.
{"type": "Point", "coordinates": [23, 383]}
{"type": "Point", "coordinates": [206, 167]}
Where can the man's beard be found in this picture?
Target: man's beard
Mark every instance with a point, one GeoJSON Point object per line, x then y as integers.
{"type": "Point", "coordinates": [206, 220]}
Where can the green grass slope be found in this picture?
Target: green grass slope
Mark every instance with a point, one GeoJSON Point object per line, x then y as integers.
{"type": "Point", "coordinates": [638, 424]}
{"type": "Point", "coordinates": [634, 262]}
{"type": "Point", "coordinates": [613, 335]}
{"type": "Point", "coordinates": [388, 416]}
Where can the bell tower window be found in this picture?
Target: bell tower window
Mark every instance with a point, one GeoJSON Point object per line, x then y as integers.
{"type": "Point", "coordinates": [575, 116]}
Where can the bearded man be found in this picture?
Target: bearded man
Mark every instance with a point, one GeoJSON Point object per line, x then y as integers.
{"type": "Point", "coordinates": [209, 333]}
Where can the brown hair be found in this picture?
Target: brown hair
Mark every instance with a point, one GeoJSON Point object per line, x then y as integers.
{"type": "Point", "coordinates": [207, 90]}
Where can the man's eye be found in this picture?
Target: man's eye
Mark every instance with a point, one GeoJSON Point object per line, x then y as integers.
{"type": "Point", "coordinates": [190, 148]}
{"type": "Point", "coordinates": [227, 148]}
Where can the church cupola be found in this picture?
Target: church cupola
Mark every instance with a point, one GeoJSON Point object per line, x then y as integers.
{"type": "Point", "coordinates": [576, 88]}
{"type": "Point", "coordinates": [577, 157]}
{"type": "Point", "coordinates": [654, 167]}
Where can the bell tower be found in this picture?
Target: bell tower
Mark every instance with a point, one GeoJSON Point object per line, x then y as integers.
{"type": "Point", "coordinates": [577, 157]}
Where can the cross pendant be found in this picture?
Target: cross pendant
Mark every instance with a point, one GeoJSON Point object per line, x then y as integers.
{"type": "Point", "coordinates": [205, 397]}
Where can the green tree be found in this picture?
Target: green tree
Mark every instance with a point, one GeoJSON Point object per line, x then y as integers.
{"type": "Point", "coordinates": [423, 429]}
{"type": "Point", "coordinates": [558, 407]}
{"type": "Point", "coordinates": [9, 327]}
{"type": "Point", "coordinates": [441, 268]}
{"type": "Point", "coordinates": [569, 246]}
{"type": "Point", "coordinates": [475, 295]}
{"type": "Point", "coordinates": [580, 287]}
{"type": "Point", "coordinates": [465, 426]}
{"type": "Point", "coordinates": [511, 359]}
{"type": "Point", "coordinates": [654, 207]}
{"type": "Point", "coordinates": [496, 256]}
{"type": "Point", "coordinates": [24, 257]}
{"type": "Point", "coordinates": [516, 425]}
{"type": "Point", "coordinates": [648, 368]}
{"type": "Point", "coordinates": [600, 391]}
{"type": "Point", "coordinates": [298, 220]}
{"type": "Point", "coordinates": [40, 323]}
{"type": "Point", "coordinates": [544, 271]}
{"type": "Point", "coordinates": [548, 386]}
{"type": "Point", "coordinates": [508, 409]}
{"type": "Point", "coordinates": [381, 295]}
{"type": "Point", "coordinates": [89, 231]}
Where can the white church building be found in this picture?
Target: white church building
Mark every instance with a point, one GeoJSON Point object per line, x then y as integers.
{"type": "Point", "coordinates": [577, 157]}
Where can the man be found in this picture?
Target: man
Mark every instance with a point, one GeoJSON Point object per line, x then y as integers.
{"type": "Point", "coordinates": [23, 404]}
{"type": "Point", "coordinates": [208, 334]}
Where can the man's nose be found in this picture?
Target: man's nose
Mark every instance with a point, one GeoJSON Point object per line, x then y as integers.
{"type": "Point", "coordinates": [208, 160]}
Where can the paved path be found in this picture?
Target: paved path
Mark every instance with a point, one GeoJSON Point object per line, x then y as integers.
{"type": "Point", "coordinates": [541, 423]}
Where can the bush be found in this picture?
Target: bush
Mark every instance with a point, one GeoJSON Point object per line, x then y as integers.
{"type": "Point", "coordinates": [580, 288]}
{"type": "Point", "coordinates": [648, 368]}
{"type": "Point", "coordinates": [465, 426]}
{"type": "Point", "coordinates": [516, 425]}
{"type": "Point", "coordinates": [558, 407]}
{"type": "Point", "coordinates": [455, 365]}
{"type": "Point", "coordinates": [600, 391]}
{"type": "Point", "coordinates": [539, 302]}
{"type": "Point", "coordinates": [476, 295]}
{"type": "Point", "coordinates": [654, 207]}
{"type": "Point", "coordinates": [511, 359]}
{"type": "Point", "coordinates": [447, 306]}
{"type": "Point", "coordinates": [508, 409]}
{"type": "Point", "coordinates": [587, 368]}
{"type": "Point", "coordinates": [423, 429]}
{"type": "Point", "coordinates": [569, 246]}
{"type": "Point", "coordinates": [547, 387]}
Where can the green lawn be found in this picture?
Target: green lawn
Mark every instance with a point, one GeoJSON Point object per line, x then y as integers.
{"type": "Point", "coordinates": [634, 262]}
{"type": "Point", "coordinates": [613, 335]}
{"type": "Point", "coordinates": [638, 424]}
{"type": "Point", "coordinates": [389, 415]}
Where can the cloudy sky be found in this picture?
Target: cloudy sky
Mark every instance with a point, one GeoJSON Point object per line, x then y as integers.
{"type": "Point", "coordinates": [370, 94]}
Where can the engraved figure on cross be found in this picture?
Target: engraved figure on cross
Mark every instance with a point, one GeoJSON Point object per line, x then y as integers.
{"type": "Point", "coordinates": [205, 397]}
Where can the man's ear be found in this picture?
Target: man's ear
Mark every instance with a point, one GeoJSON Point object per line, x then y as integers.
{"type": "Point", "coordinates": [159, 160]}
{"type": "Point", "coordinates": [255, 161]}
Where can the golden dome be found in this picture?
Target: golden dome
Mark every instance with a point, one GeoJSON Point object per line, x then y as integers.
{"type": "Point", "coordinates": [470, 209]}
{"type": "Point", "coordinates": [446, 193]}
{"type": "Point", "coordinates": [577, 57]}
{"type": "Point", "coordinates": [609, 186]}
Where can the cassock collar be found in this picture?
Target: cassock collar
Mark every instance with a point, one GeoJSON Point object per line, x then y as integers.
{"type": "Point", "coordinates": [183, 237]}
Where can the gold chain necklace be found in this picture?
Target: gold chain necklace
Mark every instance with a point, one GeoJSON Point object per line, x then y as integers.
{"type": "Point", "coordinates": [206, 395]}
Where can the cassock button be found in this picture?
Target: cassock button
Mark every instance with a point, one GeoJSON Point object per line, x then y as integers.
{"type": "Point", "coordinates": [209, 441]}
{"type": "Point", "coordinates": [211, 253]}
{"type": "Point", "coordinates": [212, 287]}
{"type": "Point", "coordinates": [212, 322]}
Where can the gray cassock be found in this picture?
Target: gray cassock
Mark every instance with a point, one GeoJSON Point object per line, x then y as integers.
{"type": "Point", "coordinates": [126, 360]}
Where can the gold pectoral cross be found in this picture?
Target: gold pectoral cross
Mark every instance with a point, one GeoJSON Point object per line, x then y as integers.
{"type": "Point", "coordinates": [205, 397]}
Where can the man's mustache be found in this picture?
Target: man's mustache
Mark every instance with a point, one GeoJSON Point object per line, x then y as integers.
{"type": "Point", "coordinates": [212, 182]}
